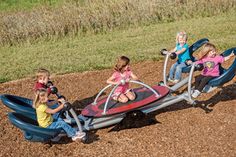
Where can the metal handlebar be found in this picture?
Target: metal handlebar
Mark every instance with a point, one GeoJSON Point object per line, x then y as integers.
{"type": "Point", "coordinates": [100, 93]}
{"type": "Point", "coordinates": [190, 81]}
{"type": "Point", "coordinates": [164, 70]}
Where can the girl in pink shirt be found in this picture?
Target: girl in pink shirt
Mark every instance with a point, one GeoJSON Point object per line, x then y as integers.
{"type": "Point", "coordinates": [210, 61]}
{"type": "Point", "coordinates": [122, 75]}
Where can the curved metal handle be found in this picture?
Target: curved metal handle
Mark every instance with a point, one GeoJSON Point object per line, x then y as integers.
{"type": "Point", "coordinates": [147, 86]}
{"type": "Point", "coordinates": [76, 120]}
{"type": "Point", "coordinates": [190, 81]}
{"type": "Point", "coordinates": [164, 70]}
{"type": "Point", "coordinates": [132, 81]}
{"type": "Point", "coordinates": [95, 101]}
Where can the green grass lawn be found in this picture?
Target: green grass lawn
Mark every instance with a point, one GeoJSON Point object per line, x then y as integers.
{"type": "Point", "coordinates": [91, 52]}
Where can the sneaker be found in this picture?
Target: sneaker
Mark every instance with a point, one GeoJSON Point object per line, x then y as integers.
{"type": "Point", "coordinates": [175, 81]}
{"type": "Point", "coordinates": [170, 80]}
{"type": "Point", "coordinates": [78, 136]}
{"type": "Point", "coordinates": [196, 93]}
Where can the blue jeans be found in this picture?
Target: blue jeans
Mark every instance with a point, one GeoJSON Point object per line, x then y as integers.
{"type": "Point", "coordinates": [60, 123]}
{"type": "Point", "coordinates": [176, 70]}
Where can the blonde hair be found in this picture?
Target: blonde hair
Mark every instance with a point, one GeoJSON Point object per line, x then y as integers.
{"type": "Point", "coordinates": [42, 72]}
{"type": "Point", "coordinates": [206, 49]}
{"type": "Point", "coordinates": [39, 93]}
{"type": "Point", "coordinates": [122, 62]}
{"type": "Point", "coordinates": [183, 34]}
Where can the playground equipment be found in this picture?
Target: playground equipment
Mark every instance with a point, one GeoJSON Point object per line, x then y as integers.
{"type": "Point", "coordinates": [168, 55]}
{"type": "Point", "coordinates": [104, 112]}
{"type": "Point", "coordinates": [101, 113]}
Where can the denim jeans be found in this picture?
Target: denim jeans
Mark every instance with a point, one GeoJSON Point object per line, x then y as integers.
{"type": "Point", "coordinates": [176, 70]}
{"type": "Point", "coordinates": [60, 123]}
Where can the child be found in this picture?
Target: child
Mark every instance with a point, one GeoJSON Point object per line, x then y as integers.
{"type": "Point", "coordinates": [211, 61]}
{"type": "Point", "coordinates": [45, 118]}
{"type": "Point", "coordinates": [42, 77]}
{"type": "Point", "coordinates": [122, 74]}
{"type": "Point", "coordinates": [182, 50]}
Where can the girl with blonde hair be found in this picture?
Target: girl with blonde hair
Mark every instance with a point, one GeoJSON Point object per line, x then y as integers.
{"type": "Point", "coordinates": [211, 61]}
{"type": "Point", "coordinates": [45, 118]}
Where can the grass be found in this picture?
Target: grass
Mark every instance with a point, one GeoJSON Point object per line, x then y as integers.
{"type": "Point", "coordinates": [59, 18]}
{"type": "Point", "coordinates": [90, 52]}
{"type": "Point", "coordinates": [17, 5]}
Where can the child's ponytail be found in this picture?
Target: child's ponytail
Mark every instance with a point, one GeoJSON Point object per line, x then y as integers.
{"type": "Point", "coordinates": [36, 100]}
{"type": "Point", "coordinates": [121, 63]}
{"type": "Point", "coordinates": [39, 92]}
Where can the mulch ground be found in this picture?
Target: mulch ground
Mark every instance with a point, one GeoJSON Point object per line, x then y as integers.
{"type": "Point", "coordinates": [209, 129]}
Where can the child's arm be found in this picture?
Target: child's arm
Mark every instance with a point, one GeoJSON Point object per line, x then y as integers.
{"type": "Point", "coordinates": [111, 80]}
{"type": "Point", "coordinates": [228, 57]}
{"type": "Point", "coordinates": [53, 111]}
{"type": "Point", "coordinates": [52, 102]}
{"type": "Point", "coordinates": [180, 51]}
{"type": "Point", "coordinates": [133, 76]}
{"type": "Point", "coordinates": [173, 50]}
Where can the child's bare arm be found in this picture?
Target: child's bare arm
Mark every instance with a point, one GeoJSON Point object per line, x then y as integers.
{"type": "Point", "coordinates": [52, 102]}
{"type": "Point", "coordinates": [228, 57]}
{"type": "Point", "coordinates": [111, 80]}
{"type": "Point", "coordinates": [53, 111]}
{"type": "Point", "coordinates": [173, 50]}
{"type": "Point", "coordinates": [134, 77]}
{"type": "Point", "coordinates": [180, 51]}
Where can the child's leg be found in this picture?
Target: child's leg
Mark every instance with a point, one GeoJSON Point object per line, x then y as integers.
{"type": "Point", "coordinates": [121, 98]}
{"type": "Point", "coordinates": [198, 80]}
{"type": "Point", "coordinates": [178, 71]}
{"type": "Point", "coordinates": [172, 70]}
{"type": "Point", "coordinates": [203, 80]}
{"type": "Point", "coordinates": [62, 124]}
{"type": "Point", "coordinates": [130, 95]}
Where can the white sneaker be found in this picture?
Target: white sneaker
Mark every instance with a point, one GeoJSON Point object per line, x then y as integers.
{"type": "Point", "coordinates": [175, 81]}
{"type": "Point", "coordinates": [196, 93]}
{"type": "Point", "coordinates": [78, 136]}
{"type": "Point", "coordinates": [170, 80]}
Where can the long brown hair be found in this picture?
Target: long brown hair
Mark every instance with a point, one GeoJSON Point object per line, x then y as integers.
{"type": "Point", "coordinates": [39, 93]}
{"type": "Point", "coordinates": [122, 62]}
{"type": "Point", "coordinates": [206, 49]}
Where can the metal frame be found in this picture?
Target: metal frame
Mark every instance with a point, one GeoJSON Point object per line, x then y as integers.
{"type": "Point", "coordinates": [95, 123]}
{"type": "Point", "coordinates": [177, 85]}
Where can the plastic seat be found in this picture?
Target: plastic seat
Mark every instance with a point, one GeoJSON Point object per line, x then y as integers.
{"type": "Point", "coordinates": [192, 49]}
{"type": "Point", "coordinates": [32, 131]}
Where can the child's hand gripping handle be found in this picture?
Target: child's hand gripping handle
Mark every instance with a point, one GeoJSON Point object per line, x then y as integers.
{"type": "Point", "coordinates": [67, 105]}
{"type": "Point", "coordinates": [199, 67]}
{"type": "Point", "coordinates": [165, 52]}
{"type": "Point", "coordinates": [52, 88]}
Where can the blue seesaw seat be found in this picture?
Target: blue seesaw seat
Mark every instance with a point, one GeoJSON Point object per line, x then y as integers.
{"type": "Point", "coordinates": [192, 49]}
{"type": "Point", "coordinates": [226, 75]}
{"type": "Point", "coordinates": [32, 131]}
{"type": "Point", "coordinates": [19, 104]}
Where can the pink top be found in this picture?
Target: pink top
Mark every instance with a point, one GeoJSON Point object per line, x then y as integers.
{"type": "Point", "coordinates": [118, 77]}
{"type": "Point", "coordinates": [211, 65]}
